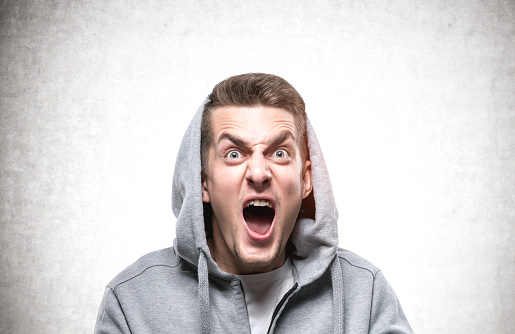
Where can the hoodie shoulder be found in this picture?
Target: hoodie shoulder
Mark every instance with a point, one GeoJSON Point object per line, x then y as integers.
{"type": "Point", "coordinates": [371, 305]}
{"type": "Point", "coordinates": [164, 257]}
{"type": "Point", "coordinates": [354, 261]}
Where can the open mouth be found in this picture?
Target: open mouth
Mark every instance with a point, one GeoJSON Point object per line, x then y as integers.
{"type": "Point", "coordinates": [259, 216]}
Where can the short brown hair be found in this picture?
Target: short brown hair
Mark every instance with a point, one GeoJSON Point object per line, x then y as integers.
{"type": "Point", "coordinates": [251, 90]}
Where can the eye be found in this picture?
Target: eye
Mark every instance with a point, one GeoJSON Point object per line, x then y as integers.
{"type": "Point", "coordinates": [280, 154]}
{"type": "Point", "coordinates": [234, 155]}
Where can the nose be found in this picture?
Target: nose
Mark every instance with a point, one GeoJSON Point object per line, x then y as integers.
{"type": "Point", "coordinates": [258, 171]}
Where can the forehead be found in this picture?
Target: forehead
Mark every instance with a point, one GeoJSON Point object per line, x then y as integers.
{"type": "Point", "coordinates": [256, 123]}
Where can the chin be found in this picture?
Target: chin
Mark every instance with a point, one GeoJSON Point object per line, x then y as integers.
{"type": "Point", "coordinates": [259, 259]}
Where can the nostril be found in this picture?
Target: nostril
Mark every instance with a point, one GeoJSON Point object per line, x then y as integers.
{"type": "Point", "coordinates": [259, 182]}
{"type": "Point", "coordinates": [258, 173]}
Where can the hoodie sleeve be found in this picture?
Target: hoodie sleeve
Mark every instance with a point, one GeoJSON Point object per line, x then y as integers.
{"type": "Point", "coordinates": [386, 315]}
{"type": "Point", "coordinates": [110, 317]}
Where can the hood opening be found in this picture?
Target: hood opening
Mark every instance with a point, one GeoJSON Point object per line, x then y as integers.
{"type": "Point", "coordinates": [208, 226]}
{"type": "Point", "coordinates": [308, 208]}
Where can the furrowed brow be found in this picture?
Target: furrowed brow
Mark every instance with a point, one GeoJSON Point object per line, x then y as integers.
{"type": "Point", "coordinates": [282, 137]}
{"type": "Point", "coordinates": [235, 140]}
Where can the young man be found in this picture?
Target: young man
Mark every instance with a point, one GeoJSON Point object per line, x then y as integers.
{"type": "Point", "coordinates": [256, 246]}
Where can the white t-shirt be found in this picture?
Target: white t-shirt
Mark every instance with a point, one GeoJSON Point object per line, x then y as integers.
{"type": "Point", "coordinates": [263, 292]}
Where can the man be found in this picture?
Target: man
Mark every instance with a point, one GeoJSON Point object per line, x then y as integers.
{"type": "Point", "coordinates": [256, 246]}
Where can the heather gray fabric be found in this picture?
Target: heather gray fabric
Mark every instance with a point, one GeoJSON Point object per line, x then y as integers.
{"type": "Point", "coordinates": [182, 290]}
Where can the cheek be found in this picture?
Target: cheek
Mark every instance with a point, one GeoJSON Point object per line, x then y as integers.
{"type": "Point", "coordinates": [290, 180]}
{"type": "Point", "coordinates": [226, 183]}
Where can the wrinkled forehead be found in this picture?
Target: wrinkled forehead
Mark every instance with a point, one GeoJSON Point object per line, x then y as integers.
{"type": "Point", "coordinates": [257, 123]}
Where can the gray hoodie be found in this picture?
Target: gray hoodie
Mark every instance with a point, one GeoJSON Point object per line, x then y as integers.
{"type": "Point", "coordinates": [182, 290]}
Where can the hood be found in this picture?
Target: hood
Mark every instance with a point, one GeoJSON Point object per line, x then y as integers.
{"type": "Point", "coordinates": [314, 237]}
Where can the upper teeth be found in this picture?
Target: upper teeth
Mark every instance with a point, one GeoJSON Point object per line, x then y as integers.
{"type": "Point", "coordinates": [259, 202]}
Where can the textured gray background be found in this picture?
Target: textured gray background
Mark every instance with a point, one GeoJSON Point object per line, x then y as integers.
{"type": "Point", "coordinates": [414, 102]}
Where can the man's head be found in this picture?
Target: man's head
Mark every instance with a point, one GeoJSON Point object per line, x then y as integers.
{"type": "Point", "coordinates": [255, 170]}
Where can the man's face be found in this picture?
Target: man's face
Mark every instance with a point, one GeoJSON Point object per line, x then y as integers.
{"type": "Point", "coordinates": [256, 182]}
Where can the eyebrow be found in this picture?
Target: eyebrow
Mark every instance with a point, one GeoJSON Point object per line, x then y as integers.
{"type": "Point", "coordinates": [236, 141]}
{"type": "Point", "coordinates": [283, 136]}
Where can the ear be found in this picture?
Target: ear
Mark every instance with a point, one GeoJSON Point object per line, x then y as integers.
{"type": "Point", "coordinates": [205, 192]}
{"type": "Point", "coordinates": [308, 181]}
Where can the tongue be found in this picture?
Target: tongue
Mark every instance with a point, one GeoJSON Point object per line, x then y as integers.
{"type": "Point", "coordinates": [258, 219]}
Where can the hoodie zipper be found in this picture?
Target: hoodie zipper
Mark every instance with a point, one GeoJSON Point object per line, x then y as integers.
{"type": "Point", "coordinates": [245, 301]}
{"type": "Point", "coordinates": [280, 304]}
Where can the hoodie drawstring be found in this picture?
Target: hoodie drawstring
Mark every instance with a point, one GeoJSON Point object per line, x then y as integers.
{"type": "Point", "coordinates": [338, 302]}
{"type": "Point", "coordinates": [203, 294]}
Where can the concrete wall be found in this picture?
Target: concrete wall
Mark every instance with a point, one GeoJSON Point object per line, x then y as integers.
{"type": "Point", "coordinates": [414, 103]}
